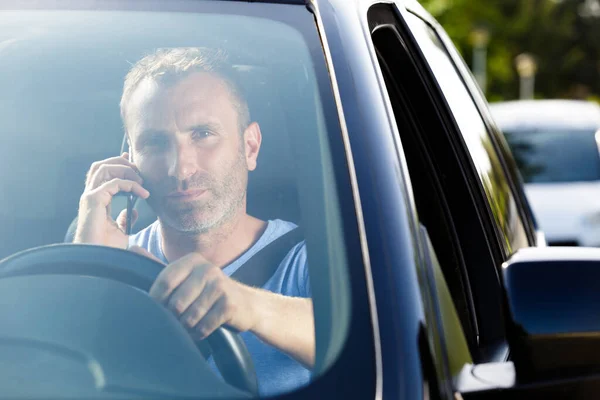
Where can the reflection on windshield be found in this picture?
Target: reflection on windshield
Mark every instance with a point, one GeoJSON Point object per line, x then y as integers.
{"type": "Point", "coordinates": [227, 127]}
{"type": "Point", "coordinates": [552, 156]}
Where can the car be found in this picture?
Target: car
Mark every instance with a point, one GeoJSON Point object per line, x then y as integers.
{"type": "Point", "coordinates": [429, 276]}
{"type": "Point", "coordinates": [555, 143]}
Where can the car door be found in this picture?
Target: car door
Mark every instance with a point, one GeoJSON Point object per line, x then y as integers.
{"type": "Point", "coordinates": [469, 203]}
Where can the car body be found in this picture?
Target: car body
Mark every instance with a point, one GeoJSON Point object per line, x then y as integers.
{"type": "Point", "coordinates": [431, 210]}
{"type": "Point", "coordinates": [566, 135]}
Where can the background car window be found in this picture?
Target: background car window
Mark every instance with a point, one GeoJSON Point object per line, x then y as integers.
{"type": "Point", "coordinates": [555, 155]}
{"type": "Point", "coordinates": [476, 137]}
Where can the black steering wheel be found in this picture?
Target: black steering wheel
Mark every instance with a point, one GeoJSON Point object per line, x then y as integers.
{"type": "Point", "coordinates": [228, 349]}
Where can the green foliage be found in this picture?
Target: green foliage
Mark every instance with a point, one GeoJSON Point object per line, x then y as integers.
{"type": "Point", "coordinates": [565, 44]}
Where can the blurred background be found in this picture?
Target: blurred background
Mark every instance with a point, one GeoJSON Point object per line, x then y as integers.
{"type": "Point", "coordinates": [538, 63]}
{"type": "Point", "coordinates": [558, 41]}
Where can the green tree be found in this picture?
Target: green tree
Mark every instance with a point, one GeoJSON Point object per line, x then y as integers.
{"type": "Point", "coordinates": [561, 34]}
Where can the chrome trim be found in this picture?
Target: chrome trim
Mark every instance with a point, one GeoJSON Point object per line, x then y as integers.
{"type": "Point", "coordinates": [357, 203]}
{"type": "Point", "coordinates": [540, 238]}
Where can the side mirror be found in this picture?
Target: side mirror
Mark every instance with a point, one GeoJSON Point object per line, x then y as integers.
{"type": "Point", "coordinates": [553, 298]}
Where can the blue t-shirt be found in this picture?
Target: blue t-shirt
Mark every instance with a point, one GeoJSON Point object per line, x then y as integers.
{"type": "Point", "coordinates": [276, 371]}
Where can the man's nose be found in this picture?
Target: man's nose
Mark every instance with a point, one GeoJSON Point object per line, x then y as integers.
{"type": "Point", "coordinates": [183, 162]}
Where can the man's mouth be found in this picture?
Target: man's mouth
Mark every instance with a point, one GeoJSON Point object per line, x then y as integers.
{"type": "Point", "coordinates": [186, 195]}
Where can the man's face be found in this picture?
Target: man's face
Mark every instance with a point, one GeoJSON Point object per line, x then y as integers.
{"type": "Point", "coordinates": [187, 144]}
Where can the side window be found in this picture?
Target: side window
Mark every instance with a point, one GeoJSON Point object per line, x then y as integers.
{"type": "Point", "coordinates": [476, 136]}
{"type": "Point", "coordinates": [466, 207]}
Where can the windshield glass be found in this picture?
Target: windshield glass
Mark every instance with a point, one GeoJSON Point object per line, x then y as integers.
{"type": "Point", "coordinates": [554, 156]}
{"type": "Point", "coordinates": [207, 134]}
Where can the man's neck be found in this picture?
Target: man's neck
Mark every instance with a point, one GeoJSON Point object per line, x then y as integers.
{"type": "Point", "coordinates": [220, 246]}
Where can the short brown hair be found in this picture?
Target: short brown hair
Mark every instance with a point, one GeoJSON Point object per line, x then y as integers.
{"type": "Point", "coordinates": [172, 64]}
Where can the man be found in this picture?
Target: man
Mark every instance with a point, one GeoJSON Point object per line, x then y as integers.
{"type": "Point", "coordinates": [193, 143]}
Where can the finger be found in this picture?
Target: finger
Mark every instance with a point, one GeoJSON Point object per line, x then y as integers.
{"type": "Point", "coordinates": [214, 318]}
{"type": "Point", "coordinates": [122, 219]}
{"type": "Point", "coordinates": [102, 196]}
{"type": "Point", "coordinates": [120, 160]}
{"type": "Point", "coordinates": [171, 277]}
{"type": "Point", "coordinates": [189, 290]}
{"type": "Point", "coordinates": [106, 172]}
{"type": "Point", "coordinates": [117, 185]}
{"type": "Point", "coordinates": [200, 306]}
{"type": "Point", "coordinates": [144, 252]}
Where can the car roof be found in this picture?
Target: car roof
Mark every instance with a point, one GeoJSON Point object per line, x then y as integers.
{"type": "Point", "coordinates": [533, 114]}
{"type": "Point", "coordinates": [413, 4]}
{"type": "Point", "coordinates": [275, 1]}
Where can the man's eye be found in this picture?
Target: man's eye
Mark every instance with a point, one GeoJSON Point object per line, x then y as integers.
{"type": "Point", "coordinates": [201, 134]}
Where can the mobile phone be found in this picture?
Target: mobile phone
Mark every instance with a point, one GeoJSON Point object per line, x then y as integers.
{"type": "Point", "coordinates": [130, 202]}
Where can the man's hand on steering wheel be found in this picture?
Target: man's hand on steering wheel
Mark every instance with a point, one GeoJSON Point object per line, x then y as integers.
{"type": "Point", "coordinates": [228, 350]}
{"type": "Point", "coordinates": [202, 296]}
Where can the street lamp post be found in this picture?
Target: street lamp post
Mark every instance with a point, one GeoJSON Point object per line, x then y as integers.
{"type": "Point", "coordinates": [480, 37]}
{"type": "Point", "coordinates": [526, 68]}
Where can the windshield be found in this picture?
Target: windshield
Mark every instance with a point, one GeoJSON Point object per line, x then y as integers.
{"type": "Point", "coordinates": [196, 139]}
{"type": "Point", "coordinates": [556, 156]}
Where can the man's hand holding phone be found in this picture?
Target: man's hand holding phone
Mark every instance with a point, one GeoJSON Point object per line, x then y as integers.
{"type": "Point", "coordinates": [106, 179]}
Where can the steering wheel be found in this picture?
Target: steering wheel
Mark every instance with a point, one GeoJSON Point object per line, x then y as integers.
{"type": "Point", "coordinates": [228, 349]}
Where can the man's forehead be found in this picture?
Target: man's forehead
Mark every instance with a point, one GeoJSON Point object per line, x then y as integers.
{"type": "Point", "coordinates": [200, 95]}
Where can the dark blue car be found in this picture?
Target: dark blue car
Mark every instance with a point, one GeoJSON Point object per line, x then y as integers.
{"type": "Point", "coordinates": [428, 277]}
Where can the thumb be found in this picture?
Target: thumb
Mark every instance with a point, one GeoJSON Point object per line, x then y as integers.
{"type": "Point", "coordinates": [143, 252]}
{"type": "Point", "coordinates": [122, 219]}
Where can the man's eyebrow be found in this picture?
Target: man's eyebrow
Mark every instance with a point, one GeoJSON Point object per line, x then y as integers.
{"type": "Point", "coordinates": [209, 126]}
{"type": "Point", "coordinates": [150, 133]}
{"type": "Point", "coordinates": [147, 134]}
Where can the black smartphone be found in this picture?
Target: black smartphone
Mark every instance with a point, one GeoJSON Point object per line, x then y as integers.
{"type": "Point", "coordinates": [130, 202]}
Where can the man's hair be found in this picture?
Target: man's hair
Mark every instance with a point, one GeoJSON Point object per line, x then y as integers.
{"type": "Point", "coordinates": [172, 64]}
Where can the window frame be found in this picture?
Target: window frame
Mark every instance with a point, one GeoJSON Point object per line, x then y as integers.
{"type": "Point", "coordinates": [424, 172]}
{"type": "Point", "coordinates": [494, 349]}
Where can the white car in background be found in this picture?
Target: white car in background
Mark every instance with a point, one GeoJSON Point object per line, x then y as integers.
{"type": "Point", "coordinates": [556, 144]}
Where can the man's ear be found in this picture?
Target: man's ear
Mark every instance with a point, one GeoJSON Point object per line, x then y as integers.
{"type": "Point", "coordinates": [252, 140]}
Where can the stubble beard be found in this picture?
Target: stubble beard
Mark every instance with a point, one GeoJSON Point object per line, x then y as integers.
{"type": "Point", "coordinates": [227, 200]}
